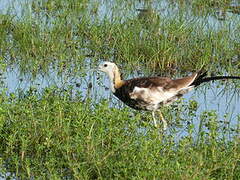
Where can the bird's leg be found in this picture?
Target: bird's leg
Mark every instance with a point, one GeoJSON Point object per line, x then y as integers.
{"type": "Point", "coordinates": [164, 121]}
{"type": "Point", "coordinates": [154, 119]}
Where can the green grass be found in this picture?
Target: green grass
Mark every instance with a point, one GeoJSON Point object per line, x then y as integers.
{"type": "Point", "coordinates": [56, 136]}
{"type": "Point", "coordinates": [68, 36]}
{"type": "Point", "coordinates": [52, 135]}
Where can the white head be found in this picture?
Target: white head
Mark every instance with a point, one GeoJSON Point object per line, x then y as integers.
{"type": "Point", "coordinates": [112, 71]}
{"type": "Point", "coordinates": [107, 67]}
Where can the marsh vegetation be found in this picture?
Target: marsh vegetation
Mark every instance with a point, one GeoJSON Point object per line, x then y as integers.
{"type": "Point", "coordinates": [59, 121]}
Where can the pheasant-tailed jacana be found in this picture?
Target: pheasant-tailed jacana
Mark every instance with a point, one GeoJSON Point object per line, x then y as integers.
{"type": "Point", "coordinates": [150, 93]}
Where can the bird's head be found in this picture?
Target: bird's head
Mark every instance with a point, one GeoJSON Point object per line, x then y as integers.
{"type": "Point", "coordinates": [107, 67]}
{"type": "Point", "coordinates": [113, 72]}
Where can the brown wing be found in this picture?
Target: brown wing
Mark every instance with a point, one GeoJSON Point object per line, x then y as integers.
{"type": "Point", "coordinates": [181, 83]}
{"type": "Point", "coordinates": [125, 92]}
{"type": "Point", "coordinates": [164, 82]}
{"type": "Point", "coordinates": [149, 82]}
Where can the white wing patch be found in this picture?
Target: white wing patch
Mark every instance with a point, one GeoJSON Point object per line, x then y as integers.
{"type": "Point", "coordinates": [151, 96]}
{"type": "Point", "coordinates": [155, 96]}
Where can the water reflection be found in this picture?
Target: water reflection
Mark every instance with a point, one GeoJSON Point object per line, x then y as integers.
{"type": "Point", "coordinates": [14, 7]}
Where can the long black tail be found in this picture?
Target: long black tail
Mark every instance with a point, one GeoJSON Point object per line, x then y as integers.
{"type": "Point", "coordinates": [202, 78]}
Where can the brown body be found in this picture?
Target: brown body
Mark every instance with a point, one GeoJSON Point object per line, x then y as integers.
{"type": "Point", "coordinates": [139, 101]}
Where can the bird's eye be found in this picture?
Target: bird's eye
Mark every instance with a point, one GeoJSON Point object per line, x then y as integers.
{"type": "Point", "coordinates": [105, 65]}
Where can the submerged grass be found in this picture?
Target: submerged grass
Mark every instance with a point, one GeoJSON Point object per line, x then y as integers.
{"type": "Point", "coordinates": [52, 34]}
{"type": "Point", "coordinates": [56, 136]}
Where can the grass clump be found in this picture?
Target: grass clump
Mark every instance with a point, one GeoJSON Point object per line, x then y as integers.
{"type": "Point", "coordinates": [55, 136]}
{"type": "Point", "coordinates": [66, 34]}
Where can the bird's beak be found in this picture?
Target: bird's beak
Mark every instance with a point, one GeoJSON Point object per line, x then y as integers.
{"type": "Point", "coordinates": [100, 67]}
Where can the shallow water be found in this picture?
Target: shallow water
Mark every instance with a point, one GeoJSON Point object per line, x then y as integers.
{"type": "Point", "coordinates": [14, 6]}
{"type": "Point", "coordinates": [224, 99]}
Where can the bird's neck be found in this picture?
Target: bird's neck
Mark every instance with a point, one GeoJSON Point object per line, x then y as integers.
{"type": "Point", "coordinates": [116, 81]}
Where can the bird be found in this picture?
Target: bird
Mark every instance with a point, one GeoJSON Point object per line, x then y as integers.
{"type": "Point", "coordinates": [151, 93]}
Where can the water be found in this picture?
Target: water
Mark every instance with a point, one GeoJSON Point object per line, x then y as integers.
{"type": "Point", "coordinates": [13, 6]}
{"type": "Point", "coordinates": [210, 96]}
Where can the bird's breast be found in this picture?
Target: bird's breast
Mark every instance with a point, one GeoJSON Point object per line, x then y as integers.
{"type": "Point", "coordinates": [135, 101]}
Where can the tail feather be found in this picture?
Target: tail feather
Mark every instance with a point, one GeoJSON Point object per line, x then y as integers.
{"type": "Point", "coordinates": [201, 78]}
